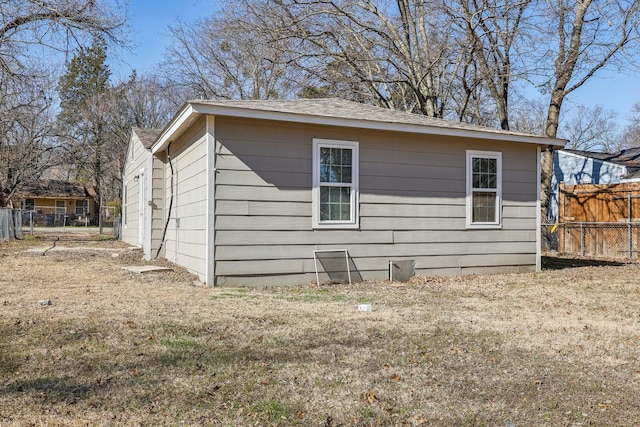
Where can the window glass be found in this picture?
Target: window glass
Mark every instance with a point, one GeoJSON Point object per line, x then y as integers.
{"type": "Point", "coordinates": [82, 207]}
{"type": "Point", "coordinates": [483, 188]}
{"type": "Point", "coordinates": [335, 165]}
{"type": "Point", "coordinates": [484, 207]}
{"type": "Point", "coordinates": [335, 183]}
{"type": "Point", "coordinates": [335, 203]}
{"type": "Point", "coordinates": [485, 173]}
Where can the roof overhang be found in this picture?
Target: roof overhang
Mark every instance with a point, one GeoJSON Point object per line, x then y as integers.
{"type": "Point", "coordinates": [192, 110]}
{"type": "Point", "coordinates": [176, 127]}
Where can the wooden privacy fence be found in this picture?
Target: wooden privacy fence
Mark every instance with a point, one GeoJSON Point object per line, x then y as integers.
{"type": "Point", "coordinates": [599, 220]}
{"type": "Point", "coordinates": [599, 202]}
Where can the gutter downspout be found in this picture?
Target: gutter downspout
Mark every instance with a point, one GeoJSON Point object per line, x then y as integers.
{"type": "Point", "coordinates": [166, 224]}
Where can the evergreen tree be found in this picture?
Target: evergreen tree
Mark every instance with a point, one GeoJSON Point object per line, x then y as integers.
{"type": "Point", "coordinates": [83, 124]}
{"type": "Point", "coordinates": [87, 76]}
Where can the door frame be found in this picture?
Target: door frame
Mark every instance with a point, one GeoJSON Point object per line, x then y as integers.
{"type": "Point", "coordinates": [60, 212]}
{"type": "Point", "coordinates": [141, 207]}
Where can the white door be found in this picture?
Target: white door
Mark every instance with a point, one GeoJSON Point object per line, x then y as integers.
{"type": "Point", "coordinates": [61, 212]}
{"type": "Point", "coordinates": [141, 207]}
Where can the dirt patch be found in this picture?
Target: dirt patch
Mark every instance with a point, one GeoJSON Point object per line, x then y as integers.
{"type": "Point", "coordinates": [114, 347]}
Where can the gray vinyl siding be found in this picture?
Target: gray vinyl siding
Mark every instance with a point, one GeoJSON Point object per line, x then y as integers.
{"type": "Point", "coordinates": [157, 207]}
{"type": "Point", "coordinates": [185, 242]}
{"type": "Point", "coordinates": [412, 205]}
{"type": "Point", "coordinates": [137, 158]}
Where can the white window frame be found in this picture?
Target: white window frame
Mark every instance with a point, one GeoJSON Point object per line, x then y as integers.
{"type": "Point", "coordinates": [354, 222]}
{"type": "Point", "coordinates": [85, 207]}
{"type": "Point", "coordinates": [496, 155]}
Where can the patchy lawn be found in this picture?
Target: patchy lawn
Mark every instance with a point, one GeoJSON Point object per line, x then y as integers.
{"type": "Point", "coordinates": [558, 348]}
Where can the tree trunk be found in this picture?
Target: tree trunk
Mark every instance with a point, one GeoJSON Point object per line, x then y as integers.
{"type": "Point", "coordinates": [551, 131]}
{"type": "Point", "coordinates": [565, 66]}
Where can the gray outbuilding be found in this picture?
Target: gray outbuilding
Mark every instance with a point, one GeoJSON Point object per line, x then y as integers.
{"type": "Point", "coordinates": [244, 192]}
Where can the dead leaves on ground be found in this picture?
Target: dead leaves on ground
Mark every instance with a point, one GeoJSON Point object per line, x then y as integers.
{"type": "Point", "coordinates": [369, 397]}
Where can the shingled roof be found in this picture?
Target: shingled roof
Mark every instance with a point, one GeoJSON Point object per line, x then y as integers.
{"type": "Point", "coordinates": [340, 108]}
{"type": "Point", "coordinates": [52, 188]}
{"type": "Point", "coordinates": [339, 112]}
{"type": "Point", "coordinates": [147, 135]}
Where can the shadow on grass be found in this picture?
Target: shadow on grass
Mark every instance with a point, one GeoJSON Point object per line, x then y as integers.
{"type": "Point", "coordinates": [50, 389]}
{"type": "Point", "coordinates": [205, 374]}
{"type": "Point", "coordinates": [556, 262]}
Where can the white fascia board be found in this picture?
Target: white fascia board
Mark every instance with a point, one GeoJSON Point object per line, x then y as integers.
{"type": "Point", "coordinates": [369, 124]}
{"type": "Point", "coordinates": [179, 123]}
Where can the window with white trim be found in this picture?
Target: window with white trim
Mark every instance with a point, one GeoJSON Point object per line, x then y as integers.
{"type": "Point", "coordinates": [484, 189]}
{"type": "Point", "coordinates": [82, 207]}
{"type": "Point", "coordinates": [335, 184]}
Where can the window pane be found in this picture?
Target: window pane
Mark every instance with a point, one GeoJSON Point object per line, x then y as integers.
{"type": "Point", "coordinates": [336, 158]}
{"type": "Point", "coordinates": [485, 166]}
{"type": "Point", "coordinates": [345, 212]}
{"type": "Point", "coordinates": [325, 155]}
{"type": "Point", "coordinates": [476, 164]}
{"type": "Point", "coordinates": [345, 203]}
{"type": "Point", "coordinates": [334, 214]}
{"type": "Point", "coordinates": [346, 157]}
{"type": "Point", "coordinates": [484, 207]}
{"type": "Point", "coordinates": [324, 173]}
{"type": "Point", "coordinates": [82, 207]}
{"type": "Point", "coordinates": [335, 203]}
{"type": "Point", "coordinates": [335, 165]}
{"type": "Point", "coordinates": [346, 174]}
{"type": "Point", "coordinates": [484, 180]}
{"type": "Point", "coordinates": [492, 166]}
{"type": "Point", "coordinates": [485, 173]}
{"type": "Point", "coordinates": [476, 180]}
{"type": "Point", "coordinates": [334, 174]}
{"type": "Point", "coordinates": [492, 173]}
{"type": "Point", "coordinates": [492, 181]}
{"type": "Point", "coordinates": [324, 194]}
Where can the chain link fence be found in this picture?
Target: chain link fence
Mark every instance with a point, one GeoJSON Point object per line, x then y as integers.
{"type": "Point", "coordinates": [49, 216]}
{"type": "Point", "coordinates": [14, 223]}
{"type": "Point", "coordinates": [108, 215]}
{"type": "Point", "coordinates": [10, 223]}
{"type": "Point", "coordinates": [612, 240]}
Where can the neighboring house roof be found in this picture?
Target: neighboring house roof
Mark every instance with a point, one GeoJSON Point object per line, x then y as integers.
{"type": "Point", "coordinates": [147, 136]}
{"type": "Point", "coordinates": [53, 188]}
{"type": "Point", "coordinates": [338, 112]}
{"type": "Point", "coordinates": [629, 158]}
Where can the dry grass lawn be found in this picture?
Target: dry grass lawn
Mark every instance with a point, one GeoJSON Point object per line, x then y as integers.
{"type": "Point", "coordinates": [556, 348]}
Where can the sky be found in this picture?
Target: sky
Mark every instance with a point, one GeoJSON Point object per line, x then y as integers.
{"type": "Point", "coordinates": [149, 19]}
{"type": "Point", "coordinates": [612, 90]}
